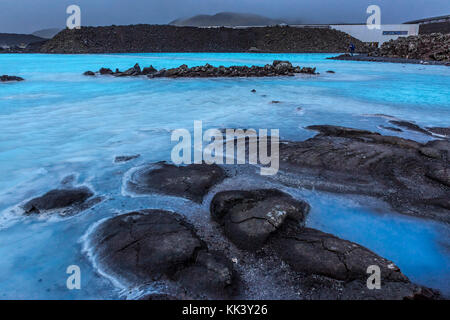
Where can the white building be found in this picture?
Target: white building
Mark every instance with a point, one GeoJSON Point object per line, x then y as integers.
{"type": "Point", "coordinates": [385, 33]}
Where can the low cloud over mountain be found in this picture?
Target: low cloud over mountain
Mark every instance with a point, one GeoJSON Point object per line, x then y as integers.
{"type": "Point", "coordinates": [226, 19]}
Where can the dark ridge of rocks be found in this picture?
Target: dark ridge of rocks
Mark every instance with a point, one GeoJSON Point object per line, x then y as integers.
{"type": "Point", "coordinates": [6, 78]}
{"type": "Point", "coordinates": [330, 71]}
{"type": "Point", "coordinates": [413, 177]}
{"type": "Point", "coordinates": [434, 47]}
{"type": "Point", "coordinates": [69, 200]}
{"type": "Point", "coordinates": [192, 181]}
{"type": "Point", "coordinates": [164, 38]}
{"type": "Point", "coordinates": [365, 57]}
{"type": "Point", "coordinates": [120, 159]}
{"type": "Point", "coordinates": [434, 27]}
{"type": "Point", "coordinates": [410, 126]}
{"type": "Point", "coordinates": [277, 68]}
{"type": "Point", "coordinates": [443, 131]}
{"type": "Point", "coordinates": [249, 218]}
{"type": "Point", "coordinates": [155, 245]}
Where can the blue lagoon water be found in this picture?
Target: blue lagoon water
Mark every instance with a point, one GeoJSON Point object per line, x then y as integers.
{"type": "Point", "coordinates": [59, 123]}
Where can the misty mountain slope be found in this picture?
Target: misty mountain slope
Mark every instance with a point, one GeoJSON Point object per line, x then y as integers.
{"type": "Point", "coordinates": [14, 39]}
{"type": "Point", "coordinates": [164, 38]}
{"type": "Point", "coordinates": [226, 19]}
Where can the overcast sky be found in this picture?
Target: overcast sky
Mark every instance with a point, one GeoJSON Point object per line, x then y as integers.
{"type": "Point", "coordinates": [26, 16]}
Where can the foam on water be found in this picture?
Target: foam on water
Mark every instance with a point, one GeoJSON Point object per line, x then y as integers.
{"type": "Point", "coordinates": [59, 122]}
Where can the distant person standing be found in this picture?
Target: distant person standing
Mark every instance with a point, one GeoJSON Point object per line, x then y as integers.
{"type": "Point", "coordinates": [352, 49]}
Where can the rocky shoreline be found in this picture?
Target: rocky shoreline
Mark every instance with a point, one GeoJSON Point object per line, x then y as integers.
{"type": "Point", "coordinates": [366, 57]}
{"type": "Point", "coordinates": [256, 239]}
{"type": "Point", "coordinates": [430, 49]}
{"type": "Point", "coordinates": [277, 68]}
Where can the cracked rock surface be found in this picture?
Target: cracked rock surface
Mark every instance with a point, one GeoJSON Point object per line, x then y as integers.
{"type": "Point", "coordinates": [411, 176]}
{"type": "Point", "coordinates": [152, 245]}
{"type": "Point", "coordinates": [250, 217]}
{"type": "Point", "coordinates": [314, 252]}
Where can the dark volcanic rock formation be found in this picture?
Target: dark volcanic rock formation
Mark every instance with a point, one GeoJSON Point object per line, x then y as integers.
{"type": "Point", "coordinates": [314, 252]}
{"type": "Point", "coordinates": [377, 58]}
{"type": "Point", "coordinates": [443, 131]}
{"type": "Point", "coordinates": [69, 200]}
{"type": "Point", "coordinates": [149, 245]}
{"type": "Point", "coordinates": [413, 177]}
{"type": "Point", "coordinates": [6, 78]}
{"type": "Point", "coordinates": [434, 47]}
{"type": "Point", "coordinates": [163, 38]}
{"type": "Point", "coordinates": [191, 181]}
{"type": "Point", "coordinates": [250, 217]}
{"type": "Point", "coordinates": [391, 128]}
{"type": "Point", "coordinates": [272, 221]}
{"type": "Point", "coordinates": [410, 126]}
{"type": "Point", "coordinates": [120, 159]}
{"type": "Point", "coordinates": [277, 68]}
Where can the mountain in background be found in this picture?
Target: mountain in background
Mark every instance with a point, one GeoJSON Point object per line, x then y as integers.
{"type": "Point", "coordinates": [46, 33]}
{"type": "Point", "coordinates": [16, 39]}
{"type": "Point", "coordinates": [226, 19]}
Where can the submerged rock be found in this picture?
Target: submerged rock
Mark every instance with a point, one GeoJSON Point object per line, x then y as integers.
{"type": "Point", "coordinates": [191, 181]}
{"type": "Point", "coordinates": [60, 199]}
{"type": "Point", "coordinates": [410, 126]}
{"type": "Point", "coordinates": [6, 78]}
{"type": "Point", "coordinates": [248, 218]}
{"type": "Point", "coordinates": [443, 131]}
{"type": "Point", "coordinates": [405, 173]}
{"type": "Point", "coordinates": [149, 245]}
{"type": "Point", "coordinates": [119, 159]}
{"type": "Point", "coordinates": [391, 128]}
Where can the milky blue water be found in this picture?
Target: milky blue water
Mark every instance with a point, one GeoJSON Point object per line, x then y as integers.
{"type": "Point", "coordinates": [59, 123]}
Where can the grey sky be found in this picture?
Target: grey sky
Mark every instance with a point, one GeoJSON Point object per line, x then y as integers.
{"type": "Point", "coordinates": [25, 16]}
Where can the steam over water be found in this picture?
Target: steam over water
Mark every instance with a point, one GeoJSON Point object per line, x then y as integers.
{"type": "Point", "coordinates": [59, 123]}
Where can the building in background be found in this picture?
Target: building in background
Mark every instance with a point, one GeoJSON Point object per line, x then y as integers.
{"type": "Point", "coordinates": [378, 36]}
